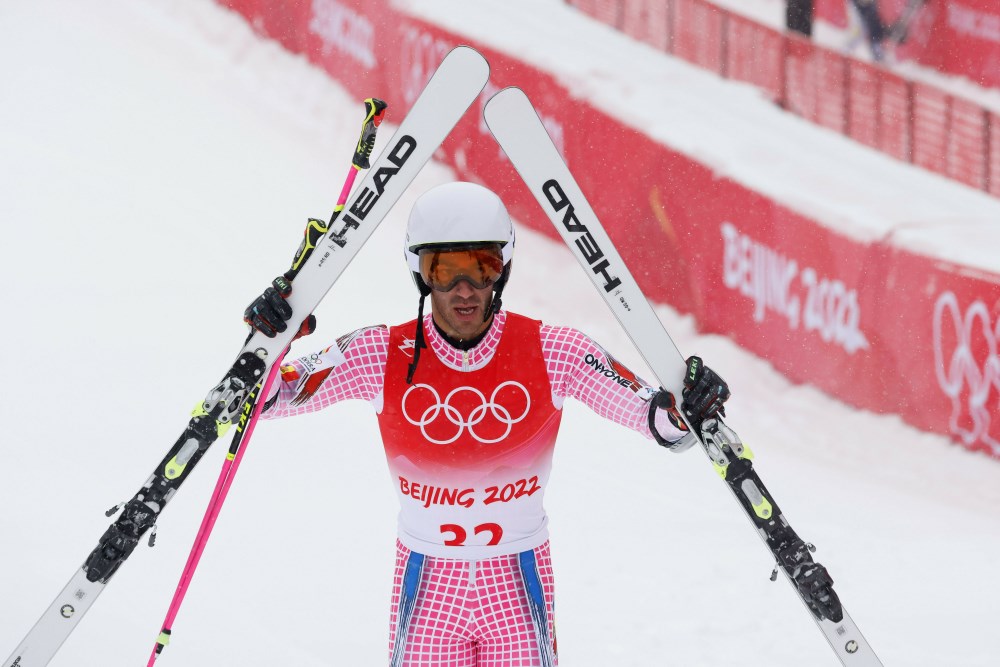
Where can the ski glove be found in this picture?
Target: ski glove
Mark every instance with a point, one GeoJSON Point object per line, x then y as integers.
{"type": "Point", "coordinates": [270, 312]}
{"type": "Point", "coordinates": [704, 393]}
{"type": "Point", "coordinates": [703, 397]}
{"type": "Point", "coordinates": [664, 400]}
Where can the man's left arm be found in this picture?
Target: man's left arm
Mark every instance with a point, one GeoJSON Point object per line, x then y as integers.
{"type": "Point", "coordinates": [580, 368]}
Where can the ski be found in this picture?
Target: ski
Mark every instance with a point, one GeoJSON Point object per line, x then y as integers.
{"type": "Point", "coordinates": [254, 405]}
{"type": "Point", "coordinates": [516, 126]}
{"type": "Point", "coordinates": [319, 261]}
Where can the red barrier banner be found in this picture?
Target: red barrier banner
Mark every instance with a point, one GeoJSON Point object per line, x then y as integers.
{"type": "Point", "coordinates": [605, 11]}
{"type": "Point", "coordinates": [862, 111]}
{"type": "Point", "coordinates": [965, 40]}
{"type": "Point", "coordinates": [954, 36]}
{"type": "Point", "coordinates": [931, 109]}
{"type": "Point", "coordinates": [831, 90]}
{"type": "Point", "coordinates": [755, 54]}
{"type": "Point", "coordinates": [877, 326]}
{"type": "Point", "coordinates": [832, 11]}
{"type": "Point", "coordinates": [801, 81]}
{"type": "Point", "coordinates": [698, 33]}
{"type": "Point", "coordinates": [954, 349]}
{"type": "Point", "coordinates": [870, 103]}
{"type": "Point", "coordinates": [969, 142]}
{"type": "Point", "coordinates": [648, 21]}
{"type": "Point", "coordinates": [895, 102]}
{"type": "Point", "coordinates": [993, 166]}
{"type": "Point", "coordinates": [802, 288]}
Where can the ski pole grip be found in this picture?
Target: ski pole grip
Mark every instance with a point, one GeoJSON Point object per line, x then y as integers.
{"type": "Point", "coordinates": [374, 113]}
{"type": "Point", "coordinates": [316, 229]}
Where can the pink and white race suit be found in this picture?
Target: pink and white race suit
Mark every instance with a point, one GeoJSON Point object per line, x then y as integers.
{"type": "Point", "coordinates": [469, 444]}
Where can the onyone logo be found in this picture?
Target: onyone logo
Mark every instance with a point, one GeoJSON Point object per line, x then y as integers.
{"type": "Point", "coordinates": [589, 250]}
{"type": "Point", "coordinates": [488, 421]}
{"type": "Point", "coordinates": [67, 610]}
{"type": "Point", "coordinates": [967, 366]}
{"type": "Point", "coordinates": [613, 371]}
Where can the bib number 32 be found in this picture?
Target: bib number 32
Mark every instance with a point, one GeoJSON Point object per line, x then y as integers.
{"type": "Point", "coordinates": [460, 534]}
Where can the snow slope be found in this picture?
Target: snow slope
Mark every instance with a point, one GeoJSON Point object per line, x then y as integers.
{"type": "Point", "coordinates": [158, 164]}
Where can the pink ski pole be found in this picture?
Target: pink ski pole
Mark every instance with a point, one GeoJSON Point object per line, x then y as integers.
{"type": "Point", "coordinates": [374, 113]}
{"type": "Point", "coordinates": [232, 463]}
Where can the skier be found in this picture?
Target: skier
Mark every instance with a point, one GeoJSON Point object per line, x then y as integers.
{"type": "Point", "coordinates": [879, 32]}
{"type": "Point", "coordinates": [468, 400]}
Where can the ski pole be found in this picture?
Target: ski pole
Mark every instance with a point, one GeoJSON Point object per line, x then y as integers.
{"type": "Point", "coordinates": [374, 113]}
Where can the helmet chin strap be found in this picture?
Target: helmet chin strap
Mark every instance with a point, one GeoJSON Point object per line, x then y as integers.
{"type": "Point", "coordinates": [420, 341]}
{"type": "Point", "coordinates": [496, 303]}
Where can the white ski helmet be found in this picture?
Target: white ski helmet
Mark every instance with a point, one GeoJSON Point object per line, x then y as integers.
{"type": "Point", "coordinates": [457, 214]}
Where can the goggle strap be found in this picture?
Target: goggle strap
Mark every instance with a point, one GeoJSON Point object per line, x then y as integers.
{"type": "Point", "coordinates": [419, 340]}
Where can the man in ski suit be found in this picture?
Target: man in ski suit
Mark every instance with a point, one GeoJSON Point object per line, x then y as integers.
{"type": "Point", "coordinates": [468, 400]}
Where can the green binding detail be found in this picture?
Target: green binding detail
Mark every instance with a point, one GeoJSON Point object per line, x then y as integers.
{"type": "Point", "coordinates": [220, 427]}
{"type": "Point", "coordinates": [747, 454]}
{"type": "Point", "coordinates": [175, 466]}
{"type": "Point", "coordinates": [763, 509]}
{"type": "Point", "coordinates": [720, 469]}
{"type": "Point", "coordinates": [173, 469]}
{"type": "Point", "coordinates": [761, 505]}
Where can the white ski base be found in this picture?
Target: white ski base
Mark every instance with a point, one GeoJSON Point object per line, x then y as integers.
{"type": "Point", "coordinates": [56, 624]}
{"type": "Point", "coordinates": [847, 642]}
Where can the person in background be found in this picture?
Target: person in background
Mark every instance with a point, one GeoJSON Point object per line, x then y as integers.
{"type": "Point", "coordinates": [799, 16]}
{"type": "Point", "coordinates": [880, 33]}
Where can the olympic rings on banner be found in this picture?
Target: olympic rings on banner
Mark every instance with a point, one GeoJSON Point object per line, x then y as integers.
{"type": "Point", "coordinates": [968, 366]}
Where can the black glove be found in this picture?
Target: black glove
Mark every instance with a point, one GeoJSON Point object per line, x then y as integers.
{"type": "Point", "coordinates": [704, 393]}
{"type": "Point", "coordinates": [269, 313]}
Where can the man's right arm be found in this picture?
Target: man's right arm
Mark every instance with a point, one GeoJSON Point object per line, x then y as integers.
{"type": "Point", "coordinates": [353, 367]}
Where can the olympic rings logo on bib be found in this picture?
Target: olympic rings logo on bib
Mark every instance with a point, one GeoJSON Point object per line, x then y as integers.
{"type": "Point", "coordinates": [488, 420]}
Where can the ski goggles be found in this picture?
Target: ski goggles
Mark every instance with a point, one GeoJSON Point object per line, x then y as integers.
{"type": "Point", "coordinates": [442, 268]}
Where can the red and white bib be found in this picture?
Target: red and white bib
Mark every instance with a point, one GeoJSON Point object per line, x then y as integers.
{"type": "Point", "coordinates": [470, 451]}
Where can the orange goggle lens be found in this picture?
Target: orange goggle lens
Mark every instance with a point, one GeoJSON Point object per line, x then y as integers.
{"type": "Point", "coordinates": [441, 269]}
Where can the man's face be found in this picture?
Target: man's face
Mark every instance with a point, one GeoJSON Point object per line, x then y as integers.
{"type": "Point", "coordinates": [461, 311]}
